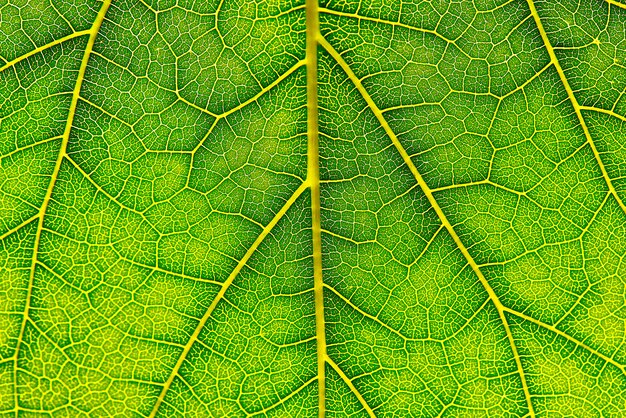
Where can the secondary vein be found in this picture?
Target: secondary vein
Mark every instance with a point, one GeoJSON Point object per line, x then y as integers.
{"type": "Point", "coordinates": [59, 41]}
{"type": "Point", "coordinates": [573, 100]}
{"type": "Point", "coordinates": [222, 292]}
{"type": "Point", "coordinates": [93, 33]}
{"type": "Point", "coordinates": [444, 220]}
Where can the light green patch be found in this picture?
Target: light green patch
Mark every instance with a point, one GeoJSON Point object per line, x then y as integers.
{"type": "Point", "coordinates": [568, 380]}
{"type": "Point", "coordinates": [197, 222]}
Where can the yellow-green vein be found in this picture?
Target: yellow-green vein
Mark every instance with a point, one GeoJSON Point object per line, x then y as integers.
{"type": "Point", "coordinates": [93, 33]}
{"type": "Point", "coordinates": [354, 390]}
{"type": "Point", "coordinates": [313, 178]}
{"type": "Point", "coordinates": [567, 337]}
{"type": "Point", "coordinates": [46, 46]}
{"type": "Point", "coordinates": [222, 292]}
{"type": "Point", "coordinates": [573, 100]}
{"type": "Point", "coordinates": [444, 220]}
{"type": "Point", "coordinates": [616, 4]}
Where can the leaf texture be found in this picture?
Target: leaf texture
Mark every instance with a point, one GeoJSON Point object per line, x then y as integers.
{"type": "Point", "coordinates": [302, 208]}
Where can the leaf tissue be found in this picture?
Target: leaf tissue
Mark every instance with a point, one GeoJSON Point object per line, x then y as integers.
{"type": "Point", "coordinates": [312, 208]}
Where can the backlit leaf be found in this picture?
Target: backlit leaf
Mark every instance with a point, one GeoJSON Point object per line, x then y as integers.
{"type": "Point", "coordinates": [302, 208]}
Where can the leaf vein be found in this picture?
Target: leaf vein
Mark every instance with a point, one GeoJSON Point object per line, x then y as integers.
{"type": "Point", "coordinates": [93, 33]}
{"type": "Point", "coordinates": [573, 100]}
{"type": "Point", "coordinates": [222, 292]}
{"type": "Point", "coordinates": [427, 191]}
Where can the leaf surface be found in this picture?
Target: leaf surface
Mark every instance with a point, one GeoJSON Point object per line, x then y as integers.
{"type": "Point", "coordinates": [309, 208]}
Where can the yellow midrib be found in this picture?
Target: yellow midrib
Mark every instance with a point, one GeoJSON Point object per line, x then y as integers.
{"type": "Point", "coordinates": [93, 33]}
{"type": "Point", "coordinates": [313, 178]}
{"type": "Point", "coordinates": [313, 39]}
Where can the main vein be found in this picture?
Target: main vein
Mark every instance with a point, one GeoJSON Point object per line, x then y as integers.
{"type": "Point", "coordinates": [444, 220]}
{"type": "Point", "coordinates": [93, 33]}
{"type": "Point", "coordinates": [313, 178]}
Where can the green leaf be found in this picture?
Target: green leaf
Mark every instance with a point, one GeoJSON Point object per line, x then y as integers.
{"type": "Point", "coordinates": [266, 208]}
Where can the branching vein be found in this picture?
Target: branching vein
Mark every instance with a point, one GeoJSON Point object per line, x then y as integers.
{"type": "Point", "coordinates": [222, 292]}
{"type": "Point", "coordinates": [427, 191]}
{"type": "Point", "coordinates": [93, 33]}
